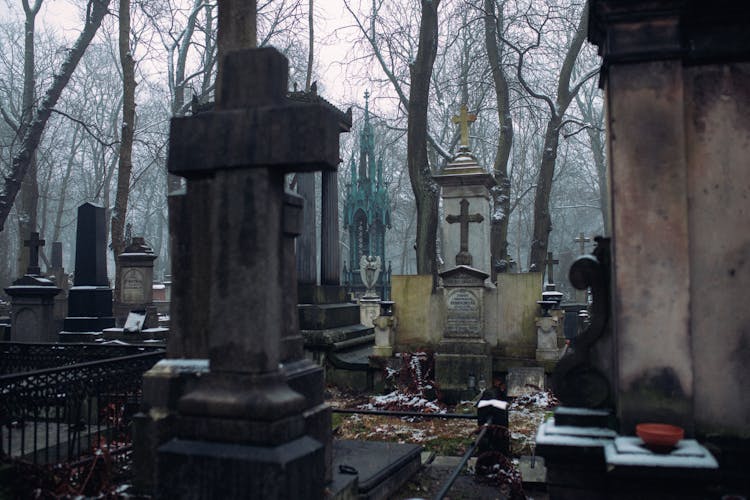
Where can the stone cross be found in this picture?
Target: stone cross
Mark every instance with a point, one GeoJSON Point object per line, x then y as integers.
{"type": "Point", "coordinates": [462, 120]}
{"type": "Point", "coordinates": [464, 257]}
{"type": "Point", "coordinates": [245, 145]}
{"type": "Point", "coordinates": [550, 263]}
{"type": "Point", "coordinates": [582, 240]}
{"type": "Point", "coordinates": [33, 243]}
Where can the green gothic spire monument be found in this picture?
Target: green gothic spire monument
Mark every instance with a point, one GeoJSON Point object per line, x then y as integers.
{"type": "Point", "coordinates": [367, 212]}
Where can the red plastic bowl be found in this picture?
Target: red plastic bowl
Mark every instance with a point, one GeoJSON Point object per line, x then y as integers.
{"type": "Point", "coordinates": [659, 435]}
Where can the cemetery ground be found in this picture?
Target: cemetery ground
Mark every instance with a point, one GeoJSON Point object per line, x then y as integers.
{"type": "Point", "coordinates": [444, 442]}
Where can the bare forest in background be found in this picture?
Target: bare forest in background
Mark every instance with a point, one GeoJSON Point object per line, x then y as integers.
{"type": "Point", "coordinates": [522, 66]}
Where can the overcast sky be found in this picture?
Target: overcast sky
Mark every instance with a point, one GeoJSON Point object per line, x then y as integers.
{"type": "Point", "coordinates": [64, 17]}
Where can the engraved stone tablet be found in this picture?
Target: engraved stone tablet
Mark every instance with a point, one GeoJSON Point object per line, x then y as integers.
{"type": "Point", "coordinates": [463, 313]}
{"type": "Point", "coordinates": [132, 286]}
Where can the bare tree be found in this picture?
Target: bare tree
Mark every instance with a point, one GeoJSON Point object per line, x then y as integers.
{"type": "Point", "coordinates": [424, 187]}
{"type": "Point", "coordinates": [557, 107]}
{"type": "Point", "coordinates": [95, 12]}
{"type": "Point", "coordinates": [493, 25]}
{"type": "Point", "coordinates": [127, 134]}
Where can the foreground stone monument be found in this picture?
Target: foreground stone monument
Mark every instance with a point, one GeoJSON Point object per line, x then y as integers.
{"type": "Point", "coordinates": [672, 346]}
{"type": "Point", "coordinates": [33, 301]}
{"type": "Point", "coordinates": [90, 297]}
{"type": "Point", "coordinates": [241, 431]}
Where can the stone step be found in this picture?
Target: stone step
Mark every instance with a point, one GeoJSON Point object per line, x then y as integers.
{"type": "Point", "coordinates": [327, 316]}
{"type": "Point", "coordinates": [344, 337]}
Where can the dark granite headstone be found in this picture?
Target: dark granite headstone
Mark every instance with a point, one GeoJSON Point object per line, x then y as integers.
{"type": "Point", "coordinates": [90, 298]}
{"type": "Point", "coordinates": [91, 246]}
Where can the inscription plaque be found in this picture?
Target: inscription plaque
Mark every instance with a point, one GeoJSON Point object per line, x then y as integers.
{"type": "Point", "coordinates": [463, 314]}
{"type": "Point", "coordinates": [132, 286]}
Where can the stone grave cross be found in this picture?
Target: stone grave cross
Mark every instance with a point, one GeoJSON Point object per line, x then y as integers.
{"type": "Point", "coordinates": [464, 257]}
{"type": "Point", "coordinates": [462, 120]}
{"type": "Point", "coordinates": [582, 240]}
{"type": "Point", "coordinates": [550, 265]}
{"type": "Point", "coordinates": [33, 243]}
{"type": "Point", "coordinates": [244, 147]}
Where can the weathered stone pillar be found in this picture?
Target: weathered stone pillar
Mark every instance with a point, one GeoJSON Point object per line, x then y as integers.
{"type": "Point", "coordinates": [307, 248]}
{"type": "Point", "coordinates": [243, 421]}
{"type": "Point", "coordinates": [330, 252]}
{"type": "Point", "coordinates": [304, 376]}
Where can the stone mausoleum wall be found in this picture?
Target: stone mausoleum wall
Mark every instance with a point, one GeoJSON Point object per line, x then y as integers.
{"type": "Point", "coordinates": [509, 322]}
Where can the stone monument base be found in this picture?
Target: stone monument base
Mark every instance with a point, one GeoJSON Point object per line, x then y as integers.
{"type": "Point", "coordinates": [459, 365]}
{"type": "Point", "coordinates": [369, 309]}
{"type": "Point", "coordinates": [200, 469]}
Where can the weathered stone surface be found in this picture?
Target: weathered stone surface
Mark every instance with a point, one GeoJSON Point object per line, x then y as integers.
{"type": "Point", "coordinates": [201, 470]}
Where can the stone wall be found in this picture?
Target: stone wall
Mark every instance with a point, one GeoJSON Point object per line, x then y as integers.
{"type": "Point", "coordinates": [511, 315]}
{"type": "Point", "coordinates": [509, 322]}
{"type": "Point", "coordinates": [418, 312]}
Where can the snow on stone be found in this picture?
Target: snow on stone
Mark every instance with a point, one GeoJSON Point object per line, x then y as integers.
{"type": "Point", "coordinates": [399, 400]}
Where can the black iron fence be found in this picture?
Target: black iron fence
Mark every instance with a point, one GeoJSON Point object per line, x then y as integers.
{"type": "Point", "coordinates": [68, 413]}
{"type": "Point", "coordinates": [17, 357]}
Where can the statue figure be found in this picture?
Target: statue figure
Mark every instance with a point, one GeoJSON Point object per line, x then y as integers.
{"type": "Point", "coordinates": [369, 270]}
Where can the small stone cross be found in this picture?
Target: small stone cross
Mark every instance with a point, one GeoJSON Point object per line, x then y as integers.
{"type": "Point", "coordinates": [33, 243]}
{"type": "Point", "coordinates": [463, 120]}
{"type": "Point", "coordinates": [550, 263]}
{"type": "Point", "coordinates": [464, 257]}
{"type": "Point", "coordinates": [582, 240]}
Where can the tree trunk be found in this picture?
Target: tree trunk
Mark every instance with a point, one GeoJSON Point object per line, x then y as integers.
{"type": "Point", "coordinates": [126, 143]}
{"type": "Point", "coordinates": [28, 204]}
{"type": "Point", "coordinates": [21, 162]}
{"type": "Point", "coordinates": [64, 186]}
{"type": "Point", "coordinates": [542, 217]}
{"type": "Point", "coordinates": [425, 189]}
{"type": "Point", "coordinates": [500, 193]}
{"type": "Point", "coordinates": [310, 41]}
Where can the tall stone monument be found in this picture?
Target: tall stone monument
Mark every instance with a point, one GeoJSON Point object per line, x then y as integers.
{"type": "Point", "coordinates": [90, 297]}
{"type": "Point", "coordinates": [33, 301]}
{"type": "Point", "coordinates": [241, 431]}
{"type": "Point", "coordinates": [462, 359]}
{"type": "Point", "coordinates": [466, 202]}
{"type": "Point", "coordinates": [673, 342]}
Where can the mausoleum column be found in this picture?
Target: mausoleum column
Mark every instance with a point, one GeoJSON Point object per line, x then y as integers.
{"type": "Point", "coordinates": [307, 251]}
{"type": "Point", "coordinates": [330, 254]}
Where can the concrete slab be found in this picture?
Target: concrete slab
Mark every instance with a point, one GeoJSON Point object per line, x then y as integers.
{"type": "Point", "coordinates": [379, 468]}
{"type": "Point", "coordinates": [532, 469]}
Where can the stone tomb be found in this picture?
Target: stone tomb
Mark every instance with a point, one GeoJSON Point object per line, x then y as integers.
{"type": "Point", "coordinates": [462, 360]}
{"type": "Point", "coordinates": [136, 282]}
{"type": "Point", "coordinates": [32, 301]}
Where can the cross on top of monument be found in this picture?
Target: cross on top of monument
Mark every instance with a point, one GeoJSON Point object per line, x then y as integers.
{"type": "Point", "coordinates": [463, 119]}
{"type": "Point", "coordinates": [33, 243]}
{"type": "Point", "coordinates": [550, 262]}
{"type": "Point", "coordinates": [582, 240]}
{"type": "Point", "coordinates": [464, 257]}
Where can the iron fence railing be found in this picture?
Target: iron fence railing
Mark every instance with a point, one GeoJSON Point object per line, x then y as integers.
{"type": "Point", "coordinates": [17, 357]}
{"type": "Point", "coordinates": [62, 414]}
